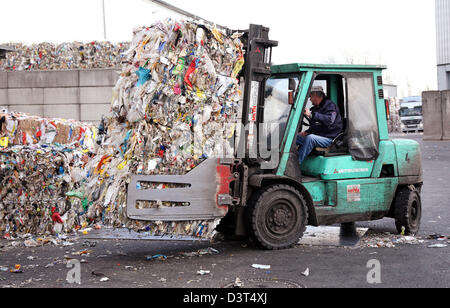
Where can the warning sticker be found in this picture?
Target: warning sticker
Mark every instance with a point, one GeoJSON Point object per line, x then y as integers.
{"type": "Point", "coordinates": [354, 193]}
{"type": "Point", "coordinates": [254, 92]}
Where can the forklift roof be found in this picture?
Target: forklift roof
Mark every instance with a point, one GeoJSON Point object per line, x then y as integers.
{"type": "Point", "coordinates": [301, 67]}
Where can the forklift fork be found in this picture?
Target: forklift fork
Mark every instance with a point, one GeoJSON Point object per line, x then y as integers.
{"type": "Point", "coordinates": [204, 192]}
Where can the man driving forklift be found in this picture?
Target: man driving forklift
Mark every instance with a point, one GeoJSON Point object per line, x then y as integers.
{"type": "Point", "coordinates": [326, 124]}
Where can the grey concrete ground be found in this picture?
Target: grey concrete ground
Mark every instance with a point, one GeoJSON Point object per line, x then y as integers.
{"type": "Point", "coordinates": [124, 262]}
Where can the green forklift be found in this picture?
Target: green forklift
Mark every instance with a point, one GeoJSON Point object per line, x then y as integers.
{"type": "Point", "coordinates": [363, 176]}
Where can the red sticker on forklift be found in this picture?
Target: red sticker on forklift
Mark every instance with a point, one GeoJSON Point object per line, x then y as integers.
{"type": "Point", "coordinates": [354, 193]}
{"type": "Point", "coordinates": [254, 92]}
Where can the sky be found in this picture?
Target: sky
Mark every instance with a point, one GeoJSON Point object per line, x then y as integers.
{"type": "Point", "coordinates": [397, 33]}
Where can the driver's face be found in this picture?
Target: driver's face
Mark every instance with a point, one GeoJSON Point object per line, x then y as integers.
{"type": "Point", "coordinates": [315, 99]}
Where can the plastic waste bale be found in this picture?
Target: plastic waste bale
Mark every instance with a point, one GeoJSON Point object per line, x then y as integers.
{"type": "Point", "coordinates": [174, 105]}
{"type": "Point", "coordinates": [65, 56]}
{"type": "Point", "coordinates": [41, 162]}
{"type": "Point", "coordinates": [34, 182]}
{"type": "Point", "coordinates": [23, 129]}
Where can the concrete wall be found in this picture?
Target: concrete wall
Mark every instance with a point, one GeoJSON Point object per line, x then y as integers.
{"type": "Point", "coordinates": [446, 115]}
{"type": "Point", "coordinates": [83, 95]}
{"type": "Point", "coordinates": [436, 115]}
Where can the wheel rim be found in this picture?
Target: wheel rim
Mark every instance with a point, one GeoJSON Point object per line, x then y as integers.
{"type": "Point", "coordinates": [281, 218]}
{"type": "Point", "coordinates": [415, 213]}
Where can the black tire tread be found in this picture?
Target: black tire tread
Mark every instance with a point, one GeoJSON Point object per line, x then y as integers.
{"type": "Point", "coordinates": [402, 210]}
{"type": "Point", "coordinates": [256, 199]}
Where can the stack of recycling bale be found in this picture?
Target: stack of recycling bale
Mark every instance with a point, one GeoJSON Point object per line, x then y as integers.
{"type": "Point", "coordinates": [179, 75]}
{"type": "Point", "coordinates": [24, 129]}
{"type": "Point", "coordinates": [76, 55]}
{"type": "Point", "coordinates": [34, 182]}
{"type": "Point", "coordinates": [394, 122]}
{"type": "Point", "coordinates": [41, 160]}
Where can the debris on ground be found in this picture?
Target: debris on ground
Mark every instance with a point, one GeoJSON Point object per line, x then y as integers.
{"type": "Point", "coordinates": [388, 240]}
{"type": "Point", "coordinates": [238, 283]}
{"type": "Point", "coordinates": [97, 274]}
{"type": "Point", "coordinates": [261, 266]}
{"type": "Point", "coordinates": [82, 253]}
{"type": "Point", "coordinates": [438, 237]}
{"type": "Point", "coordinates": [203, 272]}
{"type": "Point", "coordinates": [89, 244]}
{"type": "Point", "coordinates": [17, 269]}
{"type": "Point", "coordinates": [438, 246]}
{"type": "Point", "coordinates": [201, 252]}
{"type": "Point", "coordinates": [30, 243]}
{"type": "Point", "coordinates": [306, 272]}
{"type": "Point", "coordinates": [157, 258]}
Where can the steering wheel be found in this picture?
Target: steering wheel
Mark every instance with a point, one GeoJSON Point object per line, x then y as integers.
{"type": "Point", "coordinates": [306, 121]}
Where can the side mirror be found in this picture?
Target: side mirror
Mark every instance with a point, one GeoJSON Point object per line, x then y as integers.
{"type": "Point", "coordinates": [292, 85]}
{"type": "Point", "coordinates": [292, 89]}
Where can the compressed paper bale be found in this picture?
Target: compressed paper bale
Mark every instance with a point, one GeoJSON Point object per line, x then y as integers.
{"type": "Point", "coordinates": [33, 186]}
{"type": "Point", "coordinates": [23, 129]}
{"type": "Point", "coordinates": [36, 175]}
{"type": "Point", "coordinates": [75, 55]}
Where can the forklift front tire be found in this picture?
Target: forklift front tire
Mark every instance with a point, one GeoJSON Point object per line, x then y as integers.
{"type": "Point", "coordinates": [408, 211]}
{"type": "Point", "coordinates": [278, 216]}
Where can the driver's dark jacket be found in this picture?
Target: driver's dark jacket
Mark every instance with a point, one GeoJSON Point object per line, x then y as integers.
{"type": "Point", "coordinates": [326, 120]}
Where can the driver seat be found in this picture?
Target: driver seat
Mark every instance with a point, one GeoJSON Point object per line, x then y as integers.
{"type": "Point", "coordinates": [337, 142]}
{"type": "Point", "coordinates": [337, 147]}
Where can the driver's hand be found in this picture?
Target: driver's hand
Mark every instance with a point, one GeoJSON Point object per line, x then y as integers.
{"type": "Point", "coordinates": [308, 113]}
{"type": "Point", "coordinates": [304, 134]}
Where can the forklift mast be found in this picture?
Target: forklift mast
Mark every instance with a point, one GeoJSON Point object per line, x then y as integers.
{"type": "Point", "coordinates": [258, 60]}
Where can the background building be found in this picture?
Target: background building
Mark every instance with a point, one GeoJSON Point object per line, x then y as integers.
{"type": "Point", "coordinates": [443, 43]}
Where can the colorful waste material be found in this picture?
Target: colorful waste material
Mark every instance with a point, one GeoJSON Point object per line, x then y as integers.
{"type": "Point", "coordinates": [180, 76]}
{"type": "Point", "coordinates": [23, 129]}
{"type": "Point", "coordinates": [42, 161]}
{"type": "Point", "coordinates": [34, 181]}
{"type": "Point", "coordinates": [66, 56]}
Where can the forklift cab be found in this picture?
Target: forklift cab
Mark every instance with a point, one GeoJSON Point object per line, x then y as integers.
{"type": "Point", "coordinates": [357, 90]}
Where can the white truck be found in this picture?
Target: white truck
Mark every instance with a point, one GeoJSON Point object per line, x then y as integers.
{"type": "Point", "coordinates": [411, 114]}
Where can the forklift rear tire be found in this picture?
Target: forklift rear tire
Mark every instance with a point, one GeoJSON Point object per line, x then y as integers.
{"type": "Point", "coordinates": [277, 217]}
{"type": "Point", "coordinates": [408, 211]}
